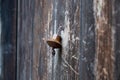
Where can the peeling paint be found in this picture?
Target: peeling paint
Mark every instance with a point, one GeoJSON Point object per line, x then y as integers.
{"type": "Point", "coordinates": [66, 32]}
{"type": "Point", "coordinates": [65, 36]}
{"type": "Point", "coordinates": [99, 7]}
{"type": "Point", "coordinates": [77, 38]}
{"type": "Point", "coordinates": [73, 38]}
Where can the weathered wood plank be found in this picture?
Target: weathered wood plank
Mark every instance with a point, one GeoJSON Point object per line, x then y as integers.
{"type": "Point", "coordinates": [42, 65]}
{"type": "Point", "coordinates": [8, 38]}
{"type": "Point", "coordinates": [71, 44]}
{"type": "Point", "coordinates": [50, 16]}
{"type": "Point", "coordinates": [104, 47]}
{"type": "Point", "coordinates": [87, 40]}
{"type": "Point", "coordinates": [39, 20]}
{"type": "Point", "coordinates": [47, 18]}
{"type": "Point", "coordinates": [25, 39]}
{"type": "Point", "coordinates": [116, 14]}
{"type": "Point", "coordinates": [1, 55]}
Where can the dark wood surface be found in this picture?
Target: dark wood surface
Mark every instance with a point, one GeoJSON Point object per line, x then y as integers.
{"type": "Point", "coordinates": [87, 40]}
{"type": "Point", "coordinates": [37, 22]}
{"type": "Point", "coordinates": [8, 38]}
{"type": "Point", "coordinates": [90, 39]}
{"type": "Point", "coordinates": [116, 18]}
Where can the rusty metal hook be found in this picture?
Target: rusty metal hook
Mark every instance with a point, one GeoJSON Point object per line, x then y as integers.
{"type": "Point", "coordinates": [55, 42]}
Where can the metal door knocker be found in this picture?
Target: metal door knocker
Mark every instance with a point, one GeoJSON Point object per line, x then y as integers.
{"type": "Point", "coordinates": [55, 42]}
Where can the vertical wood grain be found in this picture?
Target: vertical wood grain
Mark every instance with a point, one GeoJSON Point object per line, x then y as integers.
{"type": "Point", "coordinates": [25, 39]}
{"type": "Point", "coordinates": [73, 20]}
{"type": "Point", "coordinates": [8, 38]}
{"type": "Point", "coordinates": [53, 17]}
{"type": "Point", "coordinates": [87, 40]}
{"type": "Point", "coordinates": [104, 48]}
{"type": "Point", "coordinates": [37, 22]}
{"type": "Point", "coordinates": [116, 18]}
{"type": "Point", "coordinates": [70, 42]}
{"type": "Point", "coordinates": [42, 57]}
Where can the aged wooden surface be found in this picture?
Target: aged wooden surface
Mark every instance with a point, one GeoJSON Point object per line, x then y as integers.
{"type": "Point", "coordinates": [25, 39]}
{"type": "Point", "coordinates": [8, 38]}
{"type": "Point", "coordinates": [104, 65]}
{"type": "Point", "coordinates": [116, 18]}
{"type": "Point", "coordinates": [1, 55]}
{"type": "Point", "coordinates": [87, 40]}
{"type": "Point", "coordinates": [38, 21]}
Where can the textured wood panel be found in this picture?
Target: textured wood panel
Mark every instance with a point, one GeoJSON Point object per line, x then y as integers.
{"type": "Point", "coordinates": [116, 18]}
{"type": "Point", "coordinates": [104, 66]}
{"type": "Point", "coordinates": [83, 37]}
{"type": "Point", "coordinates": [87, 40]}
{"type": "Point", "coordinates": [8, 38]}
{"type": "Point", "coordinates": [25, 39]}
{"type": "Point", "coordinates": [38, 21]}
{"type": "Point", "coordinates": [56, 16]}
